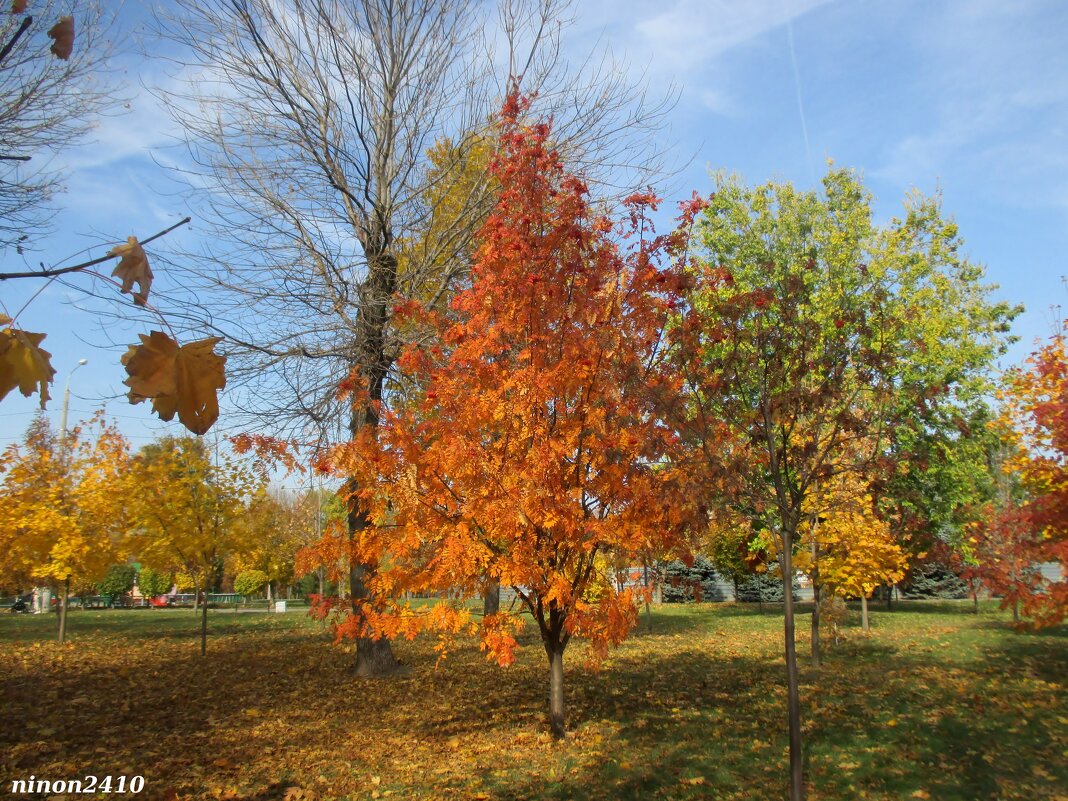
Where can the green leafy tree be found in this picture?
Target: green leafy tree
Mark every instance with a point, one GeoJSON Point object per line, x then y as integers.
{"type": "Point", "coordinates": [250, 582]}
{"type": "Point", "coordinates": [812, 333]}
{"type": "Point", "coordinates": [153, 582]}
{"type": "Point", "coordinates": [118, 581]}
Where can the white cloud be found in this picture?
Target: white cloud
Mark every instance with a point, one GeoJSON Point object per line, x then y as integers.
{"type": "Point", "coordinates": [689, 36]}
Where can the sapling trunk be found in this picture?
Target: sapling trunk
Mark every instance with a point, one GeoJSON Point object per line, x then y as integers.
{"type": "Point", "coordinates": [797, 787]}
{"type": "Point", "coordinates": [557, 719]}
{"type": "Point", "coordinates": [204, 621]}
{"type": "Point", "coordinates": [63, 610]}
{"type": "Point", "coordinates": [864, 613]}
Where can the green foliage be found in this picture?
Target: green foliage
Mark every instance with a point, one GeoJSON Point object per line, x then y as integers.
{"type": "Point", "coordinates": [764, 588]}
{"type": "Point", "coordinates": [119, 580]}
{"type": "Point", "coordinates": [684, 584]}
{"type": "Point", "coordinates": [933, 580]}
{"type": "Point", "coordinates": [249, 582]}
{"type": "Point", "coordinates": [153, 582]}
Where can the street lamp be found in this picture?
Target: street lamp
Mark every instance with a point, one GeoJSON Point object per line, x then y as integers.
{"type": "Point", "coordinates": [45, 593]}
{"type": "Point", "coordinates": [66, 402]}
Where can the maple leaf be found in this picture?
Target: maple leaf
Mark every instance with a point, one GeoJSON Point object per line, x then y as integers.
{"type": "Point", "coordinates": [133, 268]}
{"type": "Point", "coordinates": [23, 363]}
{"type": "Point", "coordinates": [63, 35]}
{"type": "Point", "coordinates": [18, 6]}
{"type": "Point", "coordinates": [177, 378]}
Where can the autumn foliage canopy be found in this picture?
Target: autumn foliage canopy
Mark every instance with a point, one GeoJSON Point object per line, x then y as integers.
{"type": "Point", "coordinates": [534, 443]}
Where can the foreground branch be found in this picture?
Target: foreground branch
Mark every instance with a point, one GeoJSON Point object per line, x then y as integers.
{"type": "Point", "coordinates": [43, 273]}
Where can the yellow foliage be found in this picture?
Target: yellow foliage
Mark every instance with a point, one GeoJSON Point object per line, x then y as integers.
{"type": "Point", "coordinates": [845, 545]}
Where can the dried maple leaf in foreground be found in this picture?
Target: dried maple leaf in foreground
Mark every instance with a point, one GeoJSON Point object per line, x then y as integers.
{"type": "Point", "coordinates": [63, 35]}
{"type": "Point", "coordinates": [133, 268]}
{"type": "Point", "coordinates": [18, 6]}
{"type": "Point", "coordinates": [177, 378]}
{"type": "Point", "coordinates": [23, 363]}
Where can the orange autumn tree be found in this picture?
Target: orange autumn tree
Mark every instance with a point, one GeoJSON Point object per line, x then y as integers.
{"type": "Point", "coordinates": [534, 447]}
{"type": "Point", "coordinates": [1035, 417]}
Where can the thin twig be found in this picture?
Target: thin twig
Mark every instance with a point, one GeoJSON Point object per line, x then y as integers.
{"type": "Point", "coordinates": [13, 158]}
{"type": "Point", "coordinates": [43, 273]}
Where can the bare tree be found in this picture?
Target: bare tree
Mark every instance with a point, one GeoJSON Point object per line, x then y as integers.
{"type": "Point", "coordinates": [46, 104]}
{"type": "Point", "coordinates": [308, 126]}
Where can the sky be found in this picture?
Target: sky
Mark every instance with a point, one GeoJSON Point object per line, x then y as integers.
{"type": "Point", "coordinates": [968, 99]}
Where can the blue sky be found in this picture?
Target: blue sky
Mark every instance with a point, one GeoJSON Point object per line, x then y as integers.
{"type": "Point", "coordinates": [967, 98]}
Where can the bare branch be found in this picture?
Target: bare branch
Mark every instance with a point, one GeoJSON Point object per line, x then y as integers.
{"type": "Point", "coordinates": [51, 273]}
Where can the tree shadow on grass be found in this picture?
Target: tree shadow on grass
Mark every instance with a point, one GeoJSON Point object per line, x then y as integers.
{"type": "Point", "coordinates": [670, 718]}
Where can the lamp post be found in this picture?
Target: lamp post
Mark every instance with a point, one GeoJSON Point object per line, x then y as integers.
{"type": "Point", "coordinates": [63, 447]}
{"type": "Point", "coordinates": [66, 404]}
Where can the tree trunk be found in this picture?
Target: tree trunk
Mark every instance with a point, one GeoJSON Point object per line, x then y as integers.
{"type": "Point", "coordinates": [1015, 610]}
{"type": "Point", "coordinates": [557, 717]}
{"type": "Point", "coordinates": [815, 623]}
{"type": "Point", "coordinates": [815, 600]}
{"type": "Point", "coordinates": [491, 601]}
{"type": "Point", "coordinates": [797, 786]}
{"type": "Point", "coordinates": [648, 593]}
{"type": "Point", "coordinates": [374, 657]}
{"type": "Point", "coordinates": [889, 596]}
{"type": "Point", "coordinates": [975, 595]}
{"type": "Point", "coordinates": [864, 613]}
{"type": "Point", "coordinates": [63, 610]}
{"type": "Point", "coordinates": [204, 621]}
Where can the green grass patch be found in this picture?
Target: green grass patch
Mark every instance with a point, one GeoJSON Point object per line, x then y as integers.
{"type": "Point", "coordinates": [936, 703]}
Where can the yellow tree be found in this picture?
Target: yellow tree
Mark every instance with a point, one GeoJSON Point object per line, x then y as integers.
{"type": "Point", "coordinates": [847, 549]}
{"type": "Point", "coordinates": [62, 512]}
{"type": "Point", "coordinates": [189, 505]}
{"type": "Point", "coordinates": [276, 529]}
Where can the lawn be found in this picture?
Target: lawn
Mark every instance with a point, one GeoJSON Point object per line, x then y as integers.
{"type": "Point", "coordinates": [938, 703]}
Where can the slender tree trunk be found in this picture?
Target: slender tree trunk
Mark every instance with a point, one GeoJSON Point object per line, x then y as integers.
{"type": "Point", "coordinates": [975, 595]}
{"type": "Point", "coordinates": [491, 601]}
{"type": "Point", "coordinates": [648, 594]}
{"type": "Point", "coordinates": [864, 613]}
{"type": "Point", "coordinates": [815, 624]}
{"type": "Point", "coordinates": [889, 596]}
{"type": "Point", "coordinates": [63, 610]}
{"type": "Point", "coordinates": [204, 621]}
{"type": "Point", "coordinates": [1015, 610]}
{"type": "Point", "coordinates": [815, 600]}
{"type": "Point", "coordinates": [797, 786]}
{"type": "Point", "coordinates": [557, 718]}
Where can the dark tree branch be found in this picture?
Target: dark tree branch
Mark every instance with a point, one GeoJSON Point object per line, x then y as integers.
{"type": "Point", "coordinates": [46, 273]}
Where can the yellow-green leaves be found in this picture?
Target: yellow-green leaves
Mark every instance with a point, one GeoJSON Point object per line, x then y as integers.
{"type": "Point", "coordinates": [23, 363]}
{"type": "Point", "coordinates": [182, 379]}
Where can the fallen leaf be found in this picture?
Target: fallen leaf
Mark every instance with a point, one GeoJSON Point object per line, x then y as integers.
{"type": "Point", "coordinates": [133, 268]}
{"type": "Point", "coordinates": [182, 379]}
{"type": "Point", "coordinates": [24, 364]}
{"type": "Point", "coordinates": [18, 6]}
{"type": "Point", "coordinates": [63, 35]}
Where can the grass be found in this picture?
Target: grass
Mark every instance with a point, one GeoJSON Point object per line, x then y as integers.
{"type": "Point", "coordinates": [937, 703]}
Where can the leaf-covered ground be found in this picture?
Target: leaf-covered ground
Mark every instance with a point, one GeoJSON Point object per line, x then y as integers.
{"type": "Point", "coordinates": [938, 703]}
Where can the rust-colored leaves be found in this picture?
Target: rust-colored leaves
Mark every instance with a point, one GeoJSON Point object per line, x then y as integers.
{"type": "Point", "coordinates": [182, 379]}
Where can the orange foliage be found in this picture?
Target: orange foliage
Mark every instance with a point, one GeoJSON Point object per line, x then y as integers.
{"type": "Point", "coordinates": [1036, 419]}
{"type": "Point", "coordinates": [535, 443]}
